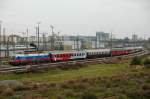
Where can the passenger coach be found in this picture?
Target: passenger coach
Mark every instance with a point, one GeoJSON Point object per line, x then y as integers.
{"type": "Point", "coordinates": [67, 55]}
{"type": "Point", "coordinates": [95, 53]}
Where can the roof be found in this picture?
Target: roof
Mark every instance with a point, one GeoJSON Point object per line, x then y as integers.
{"type": "Point", "coordinates": [71, 51]}
{"type": "Point", "coordinates": [97, 50]}
{"type": "Point", "coordinates": [29, 55]}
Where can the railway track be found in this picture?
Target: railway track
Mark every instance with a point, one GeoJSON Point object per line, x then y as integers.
{"type": "Point", "coordinates": [28, 68]}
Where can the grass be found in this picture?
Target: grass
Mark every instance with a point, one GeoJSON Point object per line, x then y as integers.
{"type": "Point", "coordinates": [57, 75]}
{"type": "Point", "coordinates": [102, 81]}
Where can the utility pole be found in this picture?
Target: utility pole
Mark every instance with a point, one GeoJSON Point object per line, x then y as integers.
{"type": "Point", "coordinates": [27, 42]}
{"type": "Point", "coordinates": [0, 40]}
{"type": "Point", "coordinates": [13, 43]}
{"type": "Point", "coordinates": [59, 41]}
{"type": "Point", "coordinates": [38, 34]}
{"type": "Point", "coordinates": [4, 39]}
{"type": "Point", "coordinates": [7, 47]}
{"type": "Point", "coordinates": [52, 38]}
{"type": "Point", "coordinates": [44, 41]}
{"type": "Point", "coordinates": [36, 38]}
{"type": "Point", "coordinates": [77, 39]}
{"type": "Point", "coordinates": [134, 41]}
{"type": "Point", "coordinates": [111, 40]}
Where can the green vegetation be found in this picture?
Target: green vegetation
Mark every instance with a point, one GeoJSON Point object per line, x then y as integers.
{"type": "Point", "coordinates": [57, 75]}
{"type": "Point", "coordinates": [147, 62]}
{"type": "Point", "coordinates": [102, 81]}
{"type": "Point", "coordinates": [136, 61]}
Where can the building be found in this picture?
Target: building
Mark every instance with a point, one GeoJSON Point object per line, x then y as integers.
{"type": "Point", "coordinates": [10, 50]}
{"type": "Point", "coordinates": [134, 37]}
{"type": "Point", "coordinates": [102, 39]}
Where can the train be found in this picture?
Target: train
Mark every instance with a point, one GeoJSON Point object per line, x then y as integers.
{"type": "Point", "coordinates": [60, 56]}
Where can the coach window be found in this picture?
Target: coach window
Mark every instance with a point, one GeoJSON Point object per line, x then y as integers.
{"type": "Point", "coordinates": [80, 54]}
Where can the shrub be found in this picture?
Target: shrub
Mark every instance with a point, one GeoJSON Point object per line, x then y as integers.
{"type": "Point", "coordinates": [147, 62]}
{"type": "Point", "coordinates": [136, 61]}
{"type": "Point", "coordinates": [146, 87]}
{"type": "Point", "coordinates": [88, 96]}
{"type": "Point", "coordinates": [8, 92]}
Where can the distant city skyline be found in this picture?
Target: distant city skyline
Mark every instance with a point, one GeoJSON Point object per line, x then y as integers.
{"type": "Point", "coordinates": [77, 17]}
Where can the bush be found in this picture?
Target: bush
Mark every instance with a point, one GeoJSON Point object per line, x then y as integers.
{"type": "Point", "coordinates": [8, 92]}
{"type": "Point", "coordinates": [136, 61]}
{"type": "Point", "coordinates": [147, 62]}
{"type": "Point", "coordinates": [88, 96]}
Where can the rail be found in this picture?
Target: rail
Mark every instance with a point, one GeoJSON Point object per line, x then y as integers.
{"type": "Point", "coordinates": [27, 68]}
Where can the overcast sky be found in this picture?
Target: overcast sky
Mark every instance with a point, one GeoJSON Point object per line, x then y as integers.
{"type": "Point", "coordinates": [77, 17]}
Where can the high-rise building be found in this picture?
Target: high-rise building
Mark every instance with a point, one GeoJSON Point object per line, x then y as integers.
{"type": "Point", "coordinates": [102, 39]}
{"type": "Point", "coordinates": [134, 37]}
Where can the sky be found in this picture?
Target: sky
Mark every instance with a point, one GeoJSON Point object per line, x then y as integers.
{"type": "Point", "coordinates": [77, 17]}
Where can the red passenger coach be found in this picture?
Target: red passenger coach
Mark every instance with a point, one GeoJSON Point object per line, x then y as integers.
{"type": "Point", "coordinates": [60, 57]}
{"type": "Point", "coordinates": [117, 52]}
{"type": "Point", "coordinates": [67, 55]}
